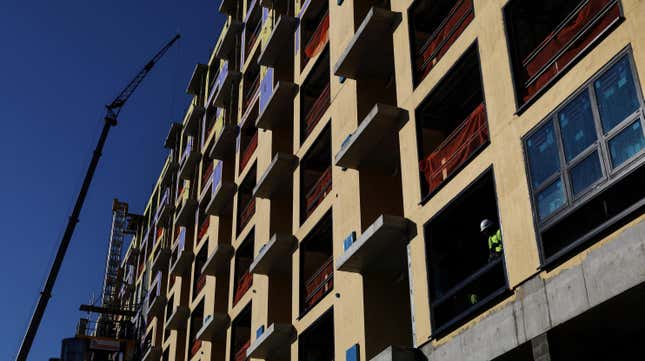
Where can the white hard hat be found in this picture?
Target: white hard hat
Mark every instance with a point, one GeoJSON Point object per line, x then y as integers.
{"type": "Point", "coordinates": [486, 224]}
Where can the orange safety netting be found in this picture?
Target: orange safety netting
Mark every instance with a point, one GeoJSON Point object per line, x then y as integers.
{"type": "Point", "coordinates": [248, 151]}
{"type": "Point", "coordinates": [240, 355]}
{"type": "Point", "coordinates": [201, 281]}
{"type": "Point", "coordinates": [319, 38]}
{"type": "Point", "coordinates": [197, 344]}
{"type": "Point", "coordinates": [248, 212]}
{"type": "Point", "coordinates": [203, 228]}
{"type": "Point", "coordinates": [440, 41]}
{"type": "Point", "coordinates": [471, 134]}
{"type": "Point", "coordinates": [562, 46]}
{"type": "Point", "coordinates": [320, 283]}
{"type": "Point", "coordinates": [317, 110]}
{"type": "Point", "coordinates": [243, 285]}
{"type": "Point", "coordinates": [318, 192]}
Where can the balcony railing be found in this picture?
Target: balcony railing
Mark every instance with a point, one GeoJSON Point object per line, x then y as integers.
{"type": "Point", "coordinates": [317, 110]}
{"type": "Point", "coordinates": [248, 151]}
{"type": "Point", "coordinates": [318, 192]}
{"type": "Point", "coordinates": [199, 285]}
{"type": "Point", "coordinates": [251, 92]}
{"type": "Point", "coordinates": [468, 296]}
{"type": "Point", "coordinates": [253, 37]}
{"type": "Point", "coordinates": [243, 285]}
{"type": "Point", "coordinates": [187, 149]}
{"type": "Point", "coordinates": [203, 227]}
{"type": "Point", "coordinates": [318, 40]}
{"type": "Point", "coordinates": [240, 355]}
{"type": "Point", "coordinates": [247, 213]}
{"type": "Point", "coordinates": [318, 285]}
{"type": "Point", "coordinates": [207, 175]}
{"type": "Point", "coordinates": [579, 30]}
{"type": "Point", "coordinates": [459, 17]}
{"type": "Point", "coordinates": [457, 149]}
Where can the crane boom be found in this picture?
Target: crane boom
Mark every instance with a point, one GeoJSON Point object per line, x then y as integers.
{"type": "Point", "coordinates": [117, 104]}
{"type": "Point", "coordinates": [113, 110]}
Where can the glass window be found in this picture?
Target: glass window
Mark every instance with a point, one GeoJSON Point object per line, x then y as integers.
{"type": "Point", "coordinates": [616, 94]}
{"type": "Point", "coordinates": [627, 143]}
{"type": "Point", "coordinates": [585, 173]}
{"type": "Point", "coordinates": [543, 154]}
{"type": "Point", "coordinates": [577, 126]}
{"type": "Point", "coordinates": [550, 199]}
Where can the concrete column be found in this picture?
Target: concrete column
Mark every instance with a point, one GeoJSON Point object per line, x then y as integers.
{"type": "Point", "coordinates": [540, 347]}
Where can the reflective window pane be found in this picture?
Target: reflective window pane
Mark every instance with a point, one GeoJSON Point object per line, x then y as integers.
{"type": "Point", "coordinates": [543, 154]}
{"type": "Point", "coordinates": [585, 173]}
{"type": "Point", "coordinates": [577, 126]}
{"type": "Point", "coordinates": [616, 94]}
{"type": "Point", "coordinates": [627, 143]}
{"type": "Point", "coordinates": [550, 199]}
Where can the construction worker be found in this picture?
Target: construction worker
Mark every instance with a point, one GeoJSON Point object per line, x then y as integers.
{"type": "Point", "coordinates": [494, 234]}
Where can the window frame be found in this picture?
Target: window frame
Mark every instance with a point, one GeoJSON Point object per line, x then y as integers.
{"type": "Point", "coordinates": [610, 174]}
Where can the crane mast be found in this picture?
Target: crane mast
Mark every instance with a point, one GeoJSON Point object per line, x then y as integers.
{"type": "Point", "coordinates": [112, 112]}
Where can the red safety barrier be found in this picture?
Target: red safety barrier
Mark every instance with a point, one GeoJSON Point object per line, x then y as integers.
{"type": "Point", "coordinates": [320, 283]}
{"type": "Point", "coordinates": [252, 38]}
{"type": "Point", "coordinates": [318, 39]}
{"type": "Point", "coordinates": [207, 174]}
{"type": "Point", "coordinates": [197, 345]}
{"type": "Point", "coordinates": [243, 285]}
{"type": "Point", "coordinates": [456, 149]}
{"type": "Point", "coordinates": [240, 355]}
{"type": "Point", "coordinates": [318, 192]}
{"type": "Point", "coordinates": [203, 228]}
{"type": "Point", "coordinates": [248, 151]}
{"type": "Point", "coordinates": [317, 110]}
{"type": "Point", "coordinates": [201, 281]}
{"type": "Point", "coordinates": [247, 213]}
{"type": "Point", "coordinates": [459, 17]}
{"type": "Point", "coordinates": [570, 38]}
{"type": "Point", "coordinates": [251, 92]}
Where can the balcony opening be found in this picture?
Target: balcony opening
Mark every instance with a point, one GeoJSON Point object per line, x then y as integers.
{"type": "Point", "coordinates": [314, 31]}
{"type": "Point", "coordinates": [243, 259]}
{"type": "Point", "coordinates": [281, 7]}
{"type": "Point", "coordinates": [196, 321]}
{"type": "Point", "coordinates": [247, 141]}
{"type": "Point", "coordinates": [362, 7]}
{"type": "Point", "coordinates": [315, 175]}
{"type": "Point", "coordinates": [280, 288]}
{"type": "Point", "coordinates": [241, 334]}
{"type": "Point", "coordinates": [250, 86]}
{"type": "Point", "coordinates": [388, 294]}
{"type": "Point", "coordinates": [434, 27]}
{"type": "Point", "coordinates": [466, 270]}
{"type": "Point", "coordinates": [546, 38]}
{"type": "Point", "coordinates": [203, 221]}
{"type": "Point", "coordinates": [199, 278]}
{"type": "Point", "coordinates": [206, 175]}
{"type": "Point", "coordinates": [252, 28]}
{"type": "Point", "coordinates": [314, 96]}
{"type": "Point", "coordinates": [452, 127]}
{"type": "Point", "coordinates": [317, 342]}
{"type": "Point", "coordinates": [316, 264]}
{"type": "Point", "coordinates": [246, 200]}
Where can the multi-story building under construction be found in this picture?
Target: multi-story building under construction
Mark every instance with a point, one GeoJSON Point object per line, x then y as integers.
{"type": "Point", "coordinates": [322, 198]}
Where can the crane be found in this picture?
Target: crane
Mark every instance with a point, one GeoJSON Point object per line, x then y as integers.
{"type": "Point", "coordinates": [112, 112]}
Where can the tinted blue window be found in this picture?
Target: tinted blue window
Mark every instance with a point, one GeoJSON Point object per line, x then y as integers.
{"type": "Point", "coordinates": [577, 126]}
{"type": "Point", "coordinates": [627, 143]}
{"type": "Point", "coordinates": [543, 154]}
{"type": "Point", "coordinates": [550, 199]}
{"type": "Point", "coordinates": [616, 94]}
{"type": "Point", "coordinates": [585, 173]}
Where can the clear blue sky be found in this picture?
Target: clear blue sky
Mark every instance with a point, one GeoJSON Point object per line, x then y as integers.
{"type": "Point", "coordinates": [61, 62]}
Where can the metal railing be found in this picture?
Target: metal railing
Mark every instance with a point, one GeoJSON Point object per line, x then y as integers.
{"type": "Point", "coordinates": [315, 113]}
{"type": "Point", "coordinates": [319, 284]}
{"type": "Point", "coordinates": [318, 191]}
